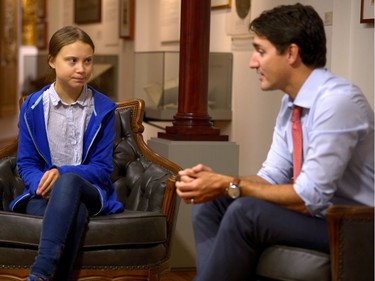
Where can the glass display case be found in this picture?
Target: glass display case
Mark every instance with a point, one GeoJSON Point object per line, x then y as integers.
{"type": "Point", "coordinates": [157, 79]}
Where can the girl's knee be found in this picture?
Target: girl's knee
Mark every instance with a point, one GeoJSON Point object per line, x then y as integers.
{"type": "Point", "coordinates": [66, 184]}
{"type": "Point", "coordinates": [69, 178]}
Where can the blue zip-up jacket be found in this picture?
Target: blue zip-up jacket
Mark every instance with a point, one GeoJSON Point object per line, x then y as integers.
{"type": "Point", "coordinates": [34, 157]}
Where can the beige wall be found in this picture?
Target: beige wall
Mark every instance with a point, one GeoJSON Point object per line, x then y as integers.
{"type": "Point", "coordinates": [353, 47]}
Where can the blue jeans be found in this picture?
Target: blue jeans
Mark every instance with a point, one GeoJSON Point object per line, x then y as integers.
{"type": "Point", "coordinates": [231, 235]}
{"type": "Point", "coordinates": [65, 215]}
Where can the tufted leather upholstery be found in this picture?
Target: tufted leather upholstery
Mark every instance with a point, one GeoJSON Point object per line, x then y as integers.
{"type": "Point", "coordinates": [134, 244]}
{"type": "Point", "coordinates": [351, 238]}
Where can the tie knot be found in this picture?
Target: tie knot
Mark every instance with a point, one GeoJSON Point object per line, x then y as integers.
{"type": "Point", "coordinates": [296, 113]}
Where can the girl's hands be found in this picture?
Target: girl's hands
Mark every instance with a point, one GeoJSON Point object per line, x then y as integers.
{"type": "Point", "coordinates": [46, 183]}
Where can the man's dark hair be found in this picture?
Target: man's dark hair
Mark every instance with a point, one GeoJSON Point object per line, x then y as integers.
{"type": "Point", "coordinates": [298, 24]}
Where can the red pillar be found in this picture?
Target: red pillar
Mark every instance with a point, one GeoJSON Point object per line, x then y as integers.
{"type": "Point", "coordinates": [192, 121]}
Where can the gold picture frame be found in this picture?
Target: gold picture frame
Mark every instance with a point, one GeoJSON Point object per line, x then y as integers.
{"type": "Point", "coordinates": [221, 4]}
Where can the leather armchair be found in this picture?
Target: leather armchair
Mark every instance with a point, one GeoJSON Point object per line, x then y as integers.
{"type": "Point", "coordinates": [351, 242]}
{"type": "Point", "coordinates": [351, 235]}
{"type": "Point", "coordinates": [133, 245]}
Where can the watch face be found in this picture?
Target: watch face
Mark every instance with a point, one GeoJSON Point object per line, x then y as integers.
{"type": "Point", "coordinates": [234, 191]}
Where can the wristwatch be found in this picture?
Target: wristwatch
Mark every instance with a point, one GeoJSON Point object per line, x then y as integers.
{"type": "Point", "coordinates": [233, 190]}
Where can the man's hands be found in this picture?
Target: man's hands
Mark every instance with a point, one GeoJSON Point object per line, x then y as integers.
{"type": "Point", "coordinates": [200, 184]}
{"type": "Point", "coordinates": [46, 183]}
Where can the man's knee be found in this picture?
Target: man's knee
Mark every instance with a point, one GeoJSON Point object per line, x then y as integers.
{"type": "Point", "coordinates": [211, 210]}
{"type": "Point", "coordinates": [197, 210]}
{"type": "Point", "coordinates": [243, 214]}
{"type": "Point", "coordinates": [244, 205]}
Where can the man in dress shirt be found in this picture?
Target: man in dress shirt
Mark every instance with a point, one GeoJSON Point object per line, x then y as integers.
{"type": "Point", "coordinates": [234, 219]}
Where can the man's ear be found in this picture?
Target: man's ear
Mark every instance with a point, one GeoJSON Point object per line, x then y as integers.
{"type": "Point", "coordinates": [293, 53]}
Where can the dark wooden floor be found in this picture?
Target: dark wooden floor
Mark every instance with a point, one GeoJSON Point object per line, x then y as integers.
{"type": "Point", "coordinates": [178, 276]}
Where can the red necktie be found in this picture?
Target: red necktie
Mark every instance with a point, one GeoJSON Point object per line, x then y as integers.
{"type": "Point", "coordinates": [297, 141]}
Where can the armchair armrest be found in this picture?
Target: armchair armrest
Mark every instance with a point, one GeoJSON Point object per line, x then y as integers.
{"type": "Point", "coordinates": [10, 149]}
{"type": "Point", "coordinates": [132, 153]}
{"type": "Point", "coordinates": [351, 230]}
{"type": "Point", "coordinates": [11, 184]}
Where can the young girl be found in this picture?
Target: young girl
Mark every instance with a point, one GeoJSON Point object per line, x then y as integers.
{"type": "Point", "coordinates": [66, 132]}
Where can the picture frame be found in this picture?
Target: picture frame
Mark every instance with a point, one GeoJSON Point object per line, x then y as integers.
{"type": "Point", "coordinates": [42, 8]}
{"type": "Point", "coordinates": [221, 4]}
{"type": "Point", "coordinates": [367, 11]}
{"type": "Point", "coordinates": [29, 33]}
{"type": "Point", "coordinates": [41, 35]}
{"type": "Point", "coordinates": [87, 11]}
{"type": "Point", "coordinates": [239, 19]}
{"type": "Point", "coordinates": [126, 19]}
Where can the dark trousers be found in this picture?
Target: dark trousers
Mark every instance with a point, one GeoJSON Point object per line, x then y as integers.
{"type": "Point", "coordinates": [231, 235]}
{"type": "Point", "coordinates": [65, 216]}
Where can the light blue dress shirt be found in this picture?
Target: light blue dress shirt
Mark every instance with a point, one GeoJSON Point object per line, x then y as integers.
{"type": "Point", "coordinates": [338, 144]}
{"type": "Point", "coordinates": [66, 125]}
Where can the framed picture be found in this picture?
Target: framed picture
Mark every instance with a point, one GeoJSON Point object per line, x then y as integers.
{"type": "Point", "coordinates": [42, 8]}
{"type": "Point", "coordinates": [220, 4]}
{"type": "Point", "coordinates": [29, 33]}
{"type": "Point", "coordinates": [41, 35]}
{"type": "Point", "coordinates": [239, 18]}
{"type": "Point", "coordinates": [367, 11]}
{"type": "Point", "coordinates": [87, 11]}
{"type": "Point", "coordinates": [126, 17]}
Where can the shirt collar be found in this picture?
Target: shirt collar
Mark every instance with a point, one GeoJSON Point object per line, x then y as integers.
{"type": "Point", "coordinates": [309, 89]}
{"type": "Point", "coordinates": [82, 100]}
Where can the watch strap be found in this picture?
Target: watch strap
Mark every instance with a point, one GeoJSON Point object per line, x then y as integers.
{"type": "Point", "coordinates": [236, 181]}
